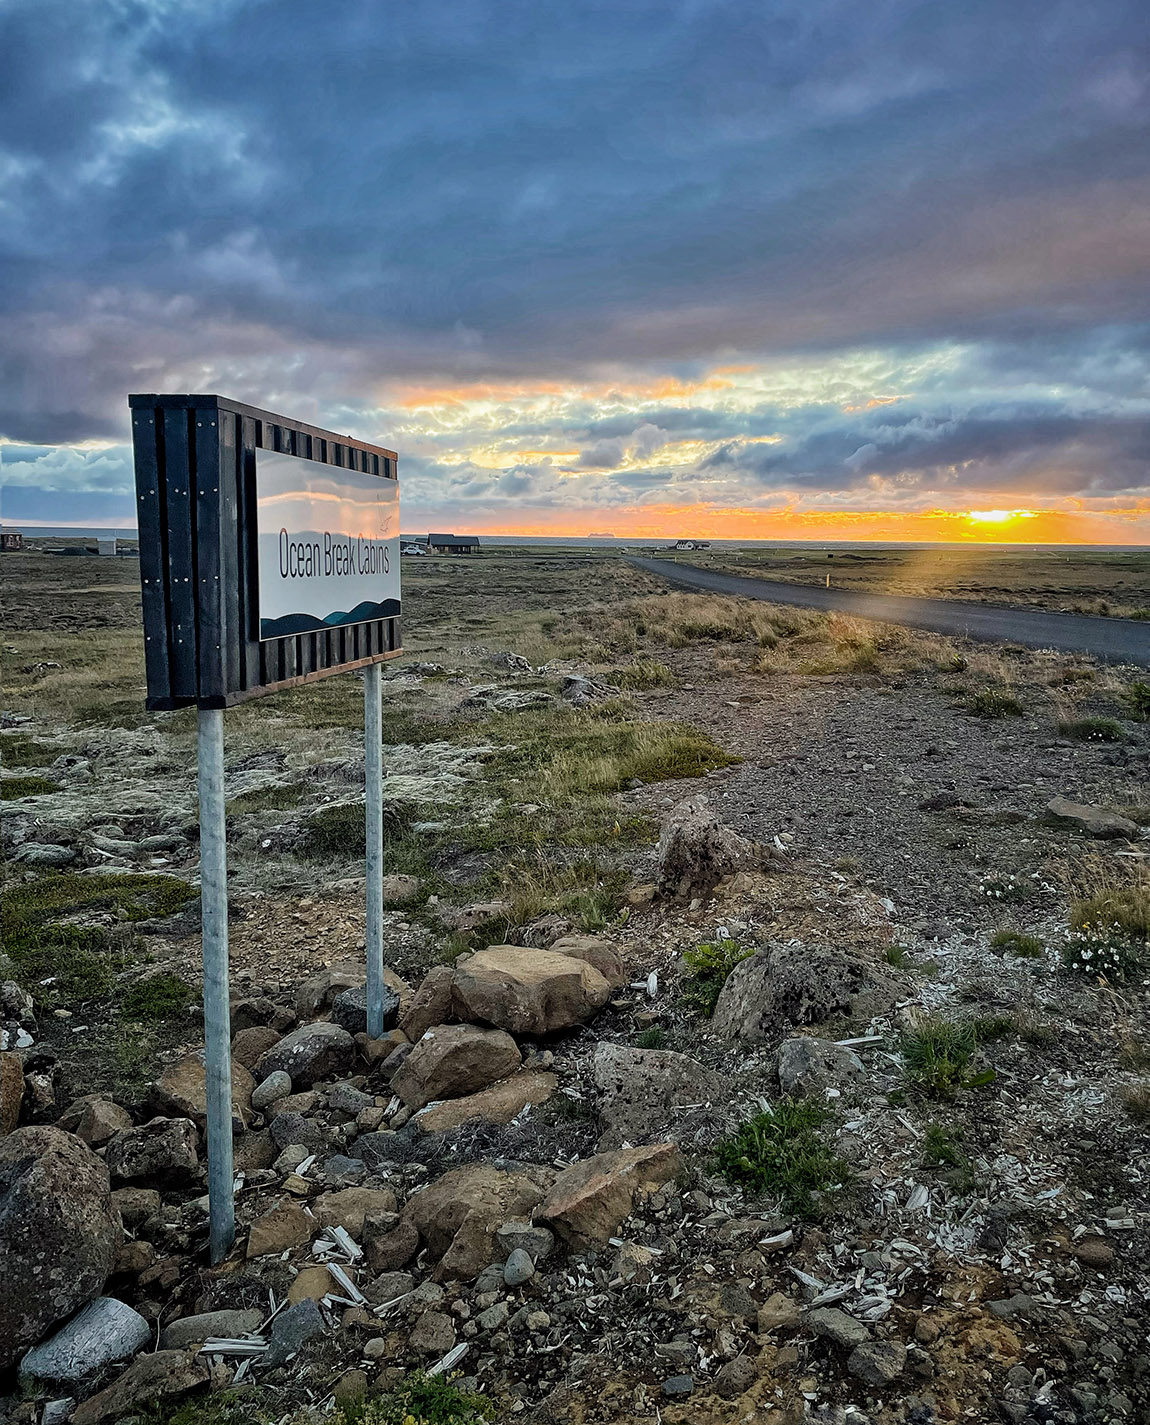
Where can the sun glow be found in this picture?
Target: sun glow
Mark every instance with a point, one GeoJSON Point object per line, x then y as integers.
{"type": "Point", "coordinates": [999, 516]}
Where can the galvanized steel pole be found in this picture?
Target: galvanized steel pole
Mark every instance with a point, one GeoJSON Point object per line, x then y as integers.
{"type": "Point", "coordinates": [373, 800]}
{"type": "Point", "coordinates": [217, 1006]}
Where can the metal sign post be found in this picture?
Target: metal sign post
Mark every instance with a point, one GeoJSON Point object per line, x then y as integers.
{"type": "Point", "coordinates": [373, 804]}
{"type": "Point", "coordinates": [217, 1009]}
{"type": "Point", "coordinates": [269, 557]}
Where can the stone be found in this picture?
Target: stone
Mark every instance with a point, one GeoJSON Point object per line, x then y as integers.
{"type": "Point", "coordinates": [299, 1103]}
{"type": "Point", "coordinates": [835, 1325]}
{"type": "Point", "coordinates": [279, 1230]}
{"type": "Point", "coordinates": [250, 1044]}
{"type": "Point", "coordinates": [391, 1250]}
{"type": "Point", "coordinates": [350, 1208]}
{"type": "Point", "coordinates": [696, 851]}
{"type": "Point", "coordinates": [784, 986]}
{"type": "Point", "coordinates": [291, 1329]}
{"type": "Point", "coordinates": [494, 1317]}
{"type": "Point", "coordinates": [309, 1055]}
{"type": "Point", "coordinates": [349, 1009]}
{"type": "Point", "coordinates": [452, 1060]}
{"type": "Point", "coordinates": [537, 1242]}
{"type": "Point", "coordinates": [1094, 1252]}
{"type": "Point", "coordinates": [133, 1259]}
{"type": "Point", "coordinates": [808, 1066]}
{"type": "Point", "coordinates": [527, 991]}
{"type": "Point", "coordinates": [390, 1286]}
{"type": "Point", "coordinates": [194, 1330]}
{"type": "Point", "coordinates": [11, 1091]}
{"type": "Point", "coordinates": [181, 1091]}
{"type": "Point", "coordinates": [312, 1283]}
{"type": "Point", "coordinates": [778, 1312]}
{"type": "Point", "coordinates": [104, 1331]}
{"type": "Point", "coordinates": [518, 1268]}
{"type": "Point", "coordinates": [375, 1051]}
{"type": "Point", "coordinates": [253, 1013]}
{"type": "Point", "coordinates": [643, 1091]}
{"type": "Point", "coordinates": [877, 1362]}
{"type": "Point", "coordinates": [459, 1214]}
{"type": "Point", "coordinates": [590, 1200]}
{"type": "Point", "coordinates": [433, 1334]}
{"type": "Point", "coordinates": [135, 1205]}
{"type": "Point", "coordinates": [318, 990]}
{"type": "Point", "coordinates": [431, 1003]}
{"type": "Point", "coordinates": [351, 1389]}
{"type": "Point", "coordinates": [162, 1150]}
{"type": "Point", "coordinates": [634, 1263]}
{"type": "Point", "coordinates": [276, 1086]}
{"type": "Point", "coordinates": [597, 952]}
{"type": "Point", "coordinates": [498, 1104]}
{"type": "Point", "coordinates": [59, 1232]}
{"type": "Point", "coordinates": [289, 1129]}
{"type": "Point", "coordinates": [736, 1377]}
{"type": "Point", "coordinates": [346, 1098]}
{"type": "Point", "coordinates": [340, 1171]}
{"type": "Point", "coordinates": [100, 1121]}
{"type": "Point", "coordinates": [162, 1375]}
{"type": "Point", "coordinates": [1100, 823]}
{"type": "Point", "coordinates": [399, 889]}
{"type": "Point", "coordinates": [679, 1386]}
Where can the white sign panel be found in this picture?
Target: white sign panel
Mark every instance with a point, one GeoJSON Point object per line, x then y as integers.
{"type": "Point", "coordinates": [328, 545]}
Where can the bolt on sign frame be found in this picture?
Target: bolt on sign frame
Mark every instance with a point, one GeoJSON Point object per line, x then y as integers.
{"type": "Point", "coordinates": [196, 462]}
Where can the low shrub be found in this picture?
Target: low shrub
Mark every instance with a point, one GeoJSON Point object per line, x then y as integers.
{"type": "Point", "coordinates": [784, 1151]}
{"type": "Point", "coordinates": [994, 703]}
{"type": "Point", "coordinates": [938, 1055]}
{"type": "Point", "coordinates": [1103, 950]}
{"type": "Point", "coordinates": [1092, 729]}
{"type": "Point", "coordinates": [1014, 942]}
{"type": "Point", "coordinates": [707, 971]}
{"type": "Point", "coordinates": [418, 1399]}
{"type": "Point", "coordinates": [13, 788]}
{"type": "Point", "coordinates": [157, 998]}
{"type": "Point", "coordinates": [1136, 701]}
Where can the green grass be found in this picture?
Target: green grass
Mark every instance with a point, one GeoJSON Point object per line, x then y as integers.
{"type": "Point", "coordinates": [1092, 729]}
{"type": "Point", "coordinates": [641, 676]}
{"type": "Point", "coordinates": [1014, 942]}
{"type": "Point", "coordinates": [653, 1038]}
{"type": "Point", "coordinates": [266, 799]}
{"type": "Point", "coordinates": [11, 788]}
{"type": "Point", "coordinates": [940, 1149]}
{"type": "Point", "coordinates": [17, 749]}
{"type": "Point", "coordinates": [1136, 700]}
{"type": "Point", "coordinates": [784, 1151]}
{"type": "Point", "coordinates": [537, 882]}
{"type": "Point", "coordinates": [1127, 907]}
{"type": "Point", "coordinates": [418, 1400]}
{"type": "Point", "coordinates": [706, 973]}
{"type": "Point", "coordinates": [938, 1053]}
{"type": "Point", "coordinates": [994, 703]}
{"type": "Point", "coordinates": [157, 998]}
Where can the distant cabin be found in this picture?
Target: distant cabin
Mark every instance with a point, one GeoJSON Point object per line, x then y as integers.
{"type": "Point", "coordinates": [453, 543]}
{"type": "Point", "coordinates": [685, 545]}
{"type": "Point", "coordinates": [11, 539]}
{"type": "Point", "coordinates": [107, 548]}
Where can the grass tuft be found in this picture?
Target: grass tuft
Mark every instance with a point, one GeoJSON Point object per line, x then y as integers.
{"type": "Point", "coordinates": [784, 1151]}
{"type": "Point", "coordinates": [653, 1038]}
{"type": "Point", "coordinates": [12, 788]}
{"type": "Point", "coordinates": [994, 703]}
{"type": "Point", "coordinates": [937, 1054]}
{"type": "Point", "coordinates": [1136, 700]}
{"type": "Point", "coordinates": [1092, 729]}
{"type": "Point", "coordinates": [157, 998]}
{"type": "Point", "coordinates": [707, 971]}
{"type": "Point", "coordinates": [1014, 942]}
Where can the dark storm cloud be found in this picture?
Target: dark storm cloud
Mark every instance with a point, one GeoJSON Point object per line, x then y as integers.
{"type": "Point", "coordinates": [293, 202]}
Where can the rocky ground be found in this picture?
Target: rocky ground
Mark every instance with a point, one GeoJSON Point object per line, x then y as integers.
{"type": "Point", "coordinates": [541, 1182]}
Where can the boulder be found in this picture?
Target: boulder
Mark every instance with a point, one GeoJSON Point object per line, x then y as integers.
{"type": "Point", "coordinates": [645, 1092]}
{"type": "Point", "coordinates": [589, 1201]}
{"type": "Point", "coordinates": [310, 1054]}
{"type": "Point", "coordinates": [1097, 821]}
{"type": "Point", "coordinates": [349, 1009]}
{"type": "Point", "coordinates": [279, 1231]}
{"type": "Point", "coordinates": [290, 1330]}
{"type": "Point", "coordinates": [808, 1066]}
{"type": "Point", "coordinates": [104, 1331]}
{"type": "Point", "coordinates": [181, 1091]}
{"type": "Point", "coordinates": [272, 1089]}
{"type": "Point", "coordinates": [596, 951]}
{"type": "Point", "coordinates": [498, 1104]}
{"type": "Point", "coordinates": [838, 1326]}
{"type": "Point", "coordinates": [163, 1375]}
{"type": "Point", "coordinates": [431, 1003]}
{"type": "Point", "coordinates": [454, 1059]}
{"type": "Point", "coordinates": [784, 986]}
{"type": "Point", "coordinates": [388, 1251]}
{"type": "Point", "coordinates": [459, 1214]}
{"type": "Point", "coordinates": [318, 992]}
{"type": "Point", "coordinates": [100, 1121]}
{"type": "Point", "coordinates": [135, 1205]}
{"type": "Point", "coordinates": [527, 991]}
{"type": "Point", "coordinates": [351, 1207]}
{"type": "Point", "coordinates": [194, 1330]}
{"type": "Point", "coordinates": [162, 1150]}
{"type": "Point", "coordinates": [59, 1231]}
{"type": "Point", "coordinates": [11, 1091]}
{"type": "Point", "coordinates": [696, 851]}
{"type": "Point", "coordinates": [399, 889]}
{"type": "Point", "coordinates": [878, 1363]}
{"type": "Point", "coordinates": [250, 1044]}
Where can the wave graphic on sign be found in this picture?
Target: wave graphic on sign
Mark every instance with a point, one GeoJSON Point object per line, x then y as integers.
{"type": "Point", "coordinates": [366, 612]}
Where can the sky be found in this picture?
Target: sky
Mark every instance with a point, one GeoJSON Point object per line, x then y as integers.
{"type": "Point", "coordinates": [794, 269]}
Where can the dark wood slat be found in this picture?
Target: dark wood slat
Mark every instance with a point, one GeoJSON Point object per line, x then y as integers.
{"type": "Point", "coordinates": [181, 570]}
{"type": "Point", "coordinates": [147, 446]}
{"type": "Point", "coordinates": [211, 615]}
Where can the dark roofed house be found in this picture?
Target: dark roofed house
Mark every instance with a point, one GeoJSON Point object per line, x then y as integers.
{"type": "Point", "coordinates": [11, 539]}
{"type": "Point", "coordinates": [453, 543]}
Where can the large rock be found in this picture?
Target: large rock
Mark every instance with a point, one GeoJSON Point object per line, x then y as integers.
{"type": "Point", "coordinates": [280, 1230]}
{"type": "Point", "coordinates": [249, 1044]}
{"type": "Point", "coordinates": [162, 1150]}
{"type": "Point", "coordinates": [317, 992]}
{"type": "Point", "coordinates": [59, 1232]}
{"type": "Point", "coordinates": [781, 987]}
{"type": "Point", "coordinates": [646, 1092]}
{"type": "Point", "coordinates": [1106, 825]}
{"type": "Point", "coordinates": [163, 1375]}
{"type": "Point", "coordinates": [181, 1091]}
{"type": "Point", "coordinates": [590, 1201]}
{"type": "Point", "coordinates": [696, 851]}
{"type": "Point", "coordinates": [349, 1009]}
{"type": "Point", "coordinates": [309, 1055]}
{"type": "Point", "coordinates": [350, 1208]}
{"type": "Point", "coordinates": [452, 1060]}
{"type": "Point", "coordinates": [431, 1003]}
{"type": "Point", "coordinates": [11, 1092]}
{"type": "Point", "coordinates": [499, 1104]}
{"type": "Point", "coordinates": [194, 1330]}
{"type": "Point", "coordinates": [459, 1215]}
{"type": "Point", "coordinates": [104, 1331]}
{"type": "Point", "coordinates": [596, 951]}
{"type": "Point", "coordinates": [808, 1066]}
{"type": "Point", "coordinates": [527, 991]}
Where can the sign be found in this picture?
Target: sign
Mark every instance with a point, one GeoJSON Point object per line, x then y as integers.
{"type": "Point", "coordinates": [328, 546]}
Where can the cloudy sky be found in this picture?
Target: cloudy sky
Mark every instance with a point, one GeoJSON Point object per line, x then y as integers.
{"type": "Point", "coordinates": [772, 269]}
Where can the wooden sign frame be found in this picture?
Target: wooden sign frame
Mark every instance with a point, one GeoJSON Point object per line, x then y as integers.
{"type": "Point", "coordinates": [195, 459]}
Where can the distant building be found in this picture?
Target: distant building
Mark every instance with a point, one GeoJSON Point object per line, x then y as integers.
{"type": "Point", "coordinates": [11, 539]}
{"type": "Point", "coordinates": [685, 545]}
{"type": "Point", "coordinates": [453, 543]}
{"type": "Point", "coordinates": [107, 548]}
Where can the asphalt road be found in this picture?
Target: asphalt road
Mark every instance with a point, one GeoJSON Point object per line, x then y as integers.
{"type": "Point", "coordinates": [1115, 639]}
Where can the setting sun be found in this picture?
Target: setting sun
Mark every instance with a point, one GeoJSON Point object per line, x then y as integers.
{"type": "Point", "coordinates": [999, 516]}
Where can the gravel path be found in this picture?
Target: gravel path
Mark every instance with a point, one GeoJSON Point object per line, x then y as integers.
{"type": "Point", "coordinates": [1115, 639]}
